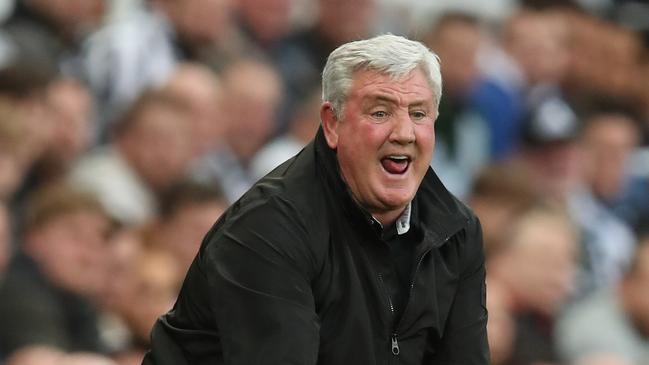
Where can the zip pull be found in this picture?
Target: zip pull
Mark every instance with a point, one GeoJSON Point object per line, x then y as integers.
{"type": "Point", "coordinates": [395, 345]}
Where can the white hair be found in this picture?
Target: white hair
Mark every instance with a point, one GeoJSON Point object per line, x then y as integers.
{"type": "Point", "coordinates": [388, 54]}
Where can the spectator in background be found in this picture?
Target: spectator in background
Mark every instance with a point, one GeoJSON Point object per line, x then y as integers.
{"type": "Point", "coordinates": [301, 57]}
{"type": "Point", "coordinates": [552, 152]}
{"type": "Point", "coordinates": [500, 194]}
{"type": "Point", "coordinates": [47, 290]}
{"type": "Point", "coordinates": [124, 248]}
{"type": "Point", "coordinates": [613, 322]}
{"type": "Point", "coordinates": [538, 271]}
{"type": "Point", "coordinates": [604, 58]}
{"type": "Point", "coordinates": [265, 22]}
{"type": "Point", "coordinates": [252, 93]}
{"type": "Point", "coordinates": [152, 151]}
{"type": "Point", "coordinates": [301, 129]}
{"type": "Point", "coordinates": [142, 284]}
{"type": "Point", "coordinates": [26, 128]}
{"type": "Point", "coordinates": [126, 58]}
{"type": "Point", "coordinates": [200, 90]}
{"type": "Point", "coordinates": [71, 106]}
{"type": "Point", "coordinates": [68, 118]}
{"type": "Point", "coordinates": [527, 70]}
{"type": "Point", "coordinates": [549, 150]}
{"type": "Point", "coordinates": [150, 290]}
{"type": "Point", "coordinates": [187, 212]}
{"type": "Point", "coordinates": [52, 30]}
{"type": "Point", "coordinates": [462, 137]}
{"type": "Point", "coordinates": [610, 137]}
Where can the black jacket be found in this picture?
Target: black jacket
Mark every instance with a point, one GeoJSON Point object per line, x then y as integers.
{"type": "Point", "coordinates": [295, 272]}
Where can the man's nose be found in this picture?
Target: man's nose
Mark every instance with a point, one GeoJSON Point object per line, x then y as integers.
{"type": "Point", "coordinates": [403, 131]}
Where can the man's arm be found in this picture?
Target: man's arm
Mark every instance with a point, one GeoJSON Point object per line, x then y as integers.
{"type": "Point", "coordinates": [259, 274]}
{"type": "Point", "coordinates": [465, 335]}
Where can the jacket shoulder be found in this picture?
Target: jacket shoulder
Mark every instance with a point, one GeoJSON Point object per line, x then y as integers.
{"type": "Point", "coordinates": [284, 210]}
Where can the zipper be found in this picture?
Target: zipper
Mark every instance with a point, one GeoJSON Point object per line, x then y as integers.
{"type": "Point", "coordinates": [394, 339]}
{"type": "Point", "coordinates": [412, 283]}
{"type": "Point", "coordinates": [387, 294]}
{"type": "Point", "coordinates": [395, 344]}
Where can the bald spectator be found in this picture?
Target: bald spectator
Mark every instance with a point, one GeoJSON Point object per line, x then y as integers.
{"type": "Point", "coordinates": [152, 151]}
{"type": "Point", "coordinates": [265, 22]}
{"type": "Point", "coordinates": [301, 129]}
{"type": "Point", "coordinates": [47, 290]}
{"type": "Point", "coordinates": [198, 87]}
{"type": "Point", "coordinates": [252, 93]}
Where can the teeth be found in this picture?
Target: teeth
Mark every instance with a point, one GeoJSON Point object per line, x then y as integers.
{"type": "Point", "coordinates": [397, 157]}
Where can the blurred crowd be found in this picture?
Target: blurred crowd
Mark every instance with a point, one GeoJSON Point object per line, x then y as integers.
{"type": "Point", "coordinates": [128, 126]}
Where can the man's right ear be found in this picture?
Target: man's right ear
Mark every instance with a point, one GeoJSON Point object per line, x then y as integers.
{"type": "Point", "coordinates": [329, 124]}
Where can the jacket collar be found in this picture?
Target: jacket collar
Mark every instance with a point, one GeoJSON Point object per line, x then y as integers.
{"type": "Point", "coordinates": [436, 212]}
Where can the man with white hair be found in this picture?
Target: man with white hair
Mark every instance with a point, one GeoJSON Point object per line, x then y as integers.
{"type": "Point", "coordinates": [352, 252]}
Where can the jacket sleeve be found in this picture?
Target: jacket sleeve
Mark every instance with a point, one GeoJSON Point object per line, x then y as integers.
{"type": "Point", "coordinates": [259, 273]}
{"type": "Point", "coordinates": [465, 335]}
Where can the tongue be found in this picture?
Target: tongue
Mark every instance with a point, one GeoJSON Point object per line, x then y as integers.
{"type": "Point", "coordinates": [394, 167]}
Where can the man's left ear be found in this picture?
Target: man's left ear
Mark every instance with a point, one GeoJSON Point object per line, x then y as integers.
{"type": "Point", "coordinates": [329, 124]}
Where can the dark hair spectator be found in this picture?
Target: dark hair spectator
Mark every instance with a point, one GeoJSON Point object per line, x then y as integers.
{"type": "Point", "coordinates": [48, 289]}
{"type": "Point", "coordinates": [187, 212]}
{"type": "Point", "coordinates": [500, 193]}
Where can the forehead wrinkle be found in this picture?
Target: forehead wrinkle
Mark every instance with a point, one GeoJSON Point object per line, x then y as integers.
{"type": "Point", "coordinates": [371, 86]}
{"type": "Point", "coordinates": [396, 100]}
{"type": "Point", "coordinates": [381, 97]}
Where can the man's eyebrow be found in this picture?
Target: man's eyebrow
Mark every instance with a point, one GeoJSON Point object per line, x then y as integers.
{"type": "Point", "coordinates": [418, 103]}
{"type": "Point", "coordinates": [392, 100]}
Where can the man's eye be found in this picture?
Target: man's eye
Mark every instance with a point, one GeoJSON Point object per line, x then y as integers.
{"type": "Point", "coordinates": [418, 115]}
{"type": "Point", "coordinates": [381, 114]}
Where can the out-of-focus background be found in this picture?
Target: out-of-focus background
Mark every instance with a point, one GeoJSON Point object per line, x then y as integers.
{"type": "Point", "coordinates": [128, 126]}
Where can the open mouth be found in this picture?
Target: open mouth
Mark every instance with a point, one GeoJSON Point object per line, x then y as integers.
{"type": "Point", "coordinates": [396, 164]}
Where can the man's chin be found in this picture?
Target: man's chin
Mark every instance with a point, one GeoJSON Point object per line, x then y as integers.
{"type": "Point", "coordinates": [396, 200]}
